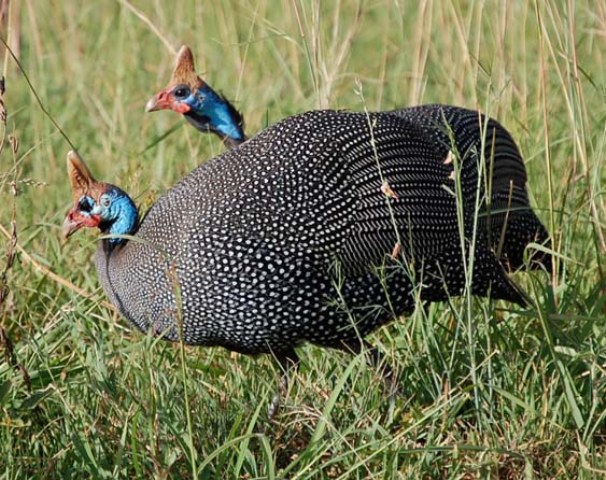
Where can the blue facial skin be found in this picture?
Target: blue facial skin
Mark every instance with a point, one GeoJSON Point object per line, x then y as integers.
{"type": "Point", "coordinates": [209, 112]}
{"type": "Point", "coordinates": [119, 215]}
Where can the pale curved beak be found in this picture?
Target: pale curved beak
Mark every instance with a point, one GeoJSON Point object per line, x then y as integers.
{"type": "Point", "coordinates": [151, 105]}
{"type": "Point", "coordinates": [74, 221]}
{"type": "Point", "coordinates": [160, 101]}
{"type": "Point", "coordinates": [69, 226]}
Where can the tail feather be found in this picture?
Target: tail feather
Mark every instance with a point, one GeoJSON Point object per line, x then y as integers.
{"type": "Point", "coordinates": [505, 213]}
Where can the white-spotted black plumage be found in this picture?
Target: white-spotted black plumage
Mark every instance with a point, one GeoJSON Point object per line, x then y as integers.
{"type": "Point", "coordinates": [289, 238]}
{"type": "Point", "coordinates": [505, 210]}
{"type": "Point", "coordinates": [505, 214]}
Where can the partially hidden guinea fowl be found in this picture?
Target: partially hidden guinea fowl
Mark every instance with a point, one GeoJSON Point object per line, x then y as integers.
{"type": "Point", "coordinates": [505, 213]}
{"type": "Point", "coordinates": [203, 107]}
{"type": "Point", "coordinates": [319, 229]}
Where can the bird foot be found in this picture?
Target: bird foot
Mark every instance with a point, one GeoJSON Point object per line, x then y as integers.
{"type": "Point", "coordinates": [287, 360]}
{"type": "Point", "coordinates": [276, 400]}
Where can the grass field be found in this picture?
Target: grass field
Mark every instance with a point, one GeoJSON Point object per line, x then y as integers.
{"type": "Point", "coordinates": [491, 392]}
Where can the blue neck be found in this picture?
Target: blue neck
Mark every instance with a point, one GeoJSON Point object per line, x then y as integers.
{"type": "Point", "coordinates": [123, 219]}
{"type": "Point", "coordinates": [211, 112]}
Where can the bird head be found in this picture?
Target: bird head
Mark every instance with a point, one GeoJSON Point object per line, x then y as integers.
{"type": "Point", "coordinates": [97, 204]}
{"type": "Point", "coordinates": [205, 109]}
{"type": "Point", "coordinates": [179, 95]}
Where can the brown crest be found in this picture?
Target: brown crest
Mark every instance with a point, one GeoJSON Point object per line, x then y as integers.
{"type": "Point", "coordinates": [185, 69]}
{"type": "Point", "coordinates": [80, 178]}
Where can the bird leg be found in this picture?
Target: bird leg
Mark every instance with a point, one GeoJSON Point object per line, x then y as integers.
{"type": "Point", "coordinates": [375, 359]}
{"type": "Point", "coordinates": [286, 360]}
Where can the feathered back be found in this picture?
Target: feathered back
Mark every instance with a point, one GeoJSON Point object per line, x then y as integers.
{"type": "Point", "coordinates": [504, 205]}
{"type": "Point", "coordinates": [253, 249]}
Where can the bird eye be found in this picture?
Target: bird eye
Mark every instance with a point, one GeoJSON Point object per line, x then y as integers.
{"type": "Point", "coordinates": [181, 91]}
{"type": "Point", "coordinates": [85, 204]}
{"type": "Point", "coordinates": [105, 201]}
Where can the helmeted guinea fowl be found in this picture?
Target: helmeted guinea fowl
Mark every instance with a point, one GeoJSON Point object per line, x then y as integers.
{"type": "Point", "coordinates": [475, 138]}
{"type": "Point", "coordinates": [205, 109]}
{"type": "Point", "coordinates": [319, 229]}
